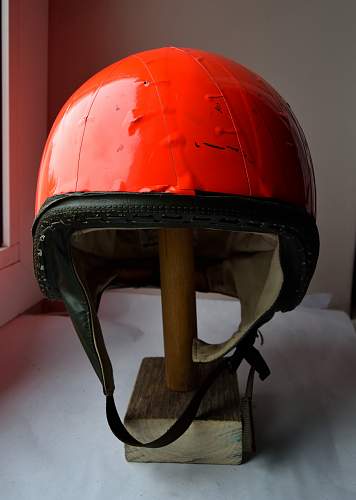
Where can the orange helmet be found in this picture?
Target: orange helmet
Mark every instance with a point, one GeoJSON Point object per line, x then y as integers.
{"type": "Point", "coordinates": [175, 138]}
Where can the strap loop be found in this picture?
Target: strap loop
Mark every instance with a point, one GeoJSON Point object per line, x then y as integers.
{"type": "Point", "coordinates": [244, 351]}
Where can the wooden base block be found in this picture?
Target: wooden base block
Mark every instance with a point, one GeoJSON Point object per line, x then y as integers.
{"type": "Point", "coordinates": [220, 434]}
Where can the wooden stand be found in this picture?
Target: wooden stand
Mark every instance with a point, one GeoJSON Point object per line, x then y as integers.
{"type": "Point", "coordinates": [220, 433]}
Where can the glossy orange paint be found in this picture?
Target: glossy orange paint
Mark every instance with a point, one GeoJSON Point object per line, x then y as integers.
{"type": "Point", "coordinates": [177, 121]}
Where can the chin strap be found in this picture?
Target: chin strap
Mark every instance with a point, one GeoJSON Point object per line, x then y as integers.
{"type": "Point", "coordinates": [82, 296]}
{"type": "Point", "coordinates": [82, 307]}
{"type": "Point", "coordinates": [244, 350]}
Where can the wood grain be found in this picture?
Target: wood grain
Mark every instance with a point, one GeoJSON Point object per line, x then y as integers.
{"type": "Point", "coordinates": [178, 306]}
{"type": "Point", "coordinates": [216, 434]}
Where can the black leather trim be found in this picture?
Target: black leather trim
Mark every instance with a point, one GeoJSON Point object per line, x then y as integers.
{"type": "Point", "coordinates": [64, 214]}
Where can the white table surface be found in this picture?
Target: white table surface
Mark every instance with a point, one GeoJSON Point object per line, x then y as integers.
{"type": "Point", "coordinates": [55, 443]}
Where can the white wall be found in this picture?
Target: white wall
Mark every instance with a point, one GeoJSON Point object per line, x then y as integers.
{"type": "Point", "coordinates": [306, 49]}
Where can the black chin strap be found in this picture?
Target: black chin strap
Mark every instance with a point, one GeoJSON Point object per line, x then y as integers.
{"type": "Point", "coordinates": [82, 297]}
{"type": "Point", "coordinates": [245, 350]}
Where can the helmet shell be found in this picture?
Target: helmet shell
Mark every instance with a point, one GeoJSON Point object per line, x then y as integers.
{"type": "Point", "coordinates": [178, 121]}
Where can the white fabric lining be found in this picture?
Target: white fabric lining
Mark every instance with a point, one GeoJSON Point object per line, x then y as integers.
{"type": "Point", "coordinates": [235, 263]}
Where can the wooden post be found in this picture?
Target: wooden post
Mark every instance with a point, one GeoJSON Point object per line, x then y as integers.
{"type": "Point", "coordinates": [178, 306]}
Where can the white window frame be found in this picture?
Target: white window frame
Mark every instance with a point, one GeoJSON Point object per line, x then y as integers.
{"type": "Point", "coordinates": [10, 249]}
{"type": "Point", "coordinates": [24, 123]}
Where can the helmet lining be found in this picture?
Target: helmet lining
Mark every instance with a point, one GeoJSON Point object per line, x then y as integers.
{"type": "Point", "coordinates": [240, 264]}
